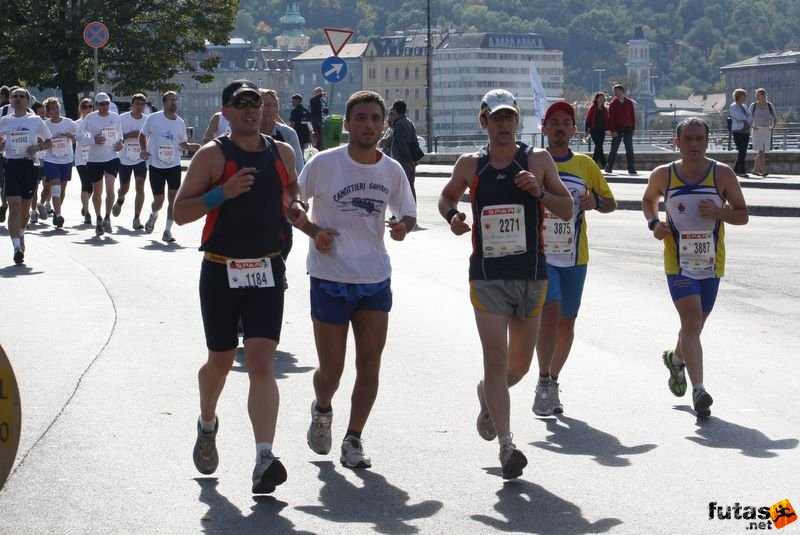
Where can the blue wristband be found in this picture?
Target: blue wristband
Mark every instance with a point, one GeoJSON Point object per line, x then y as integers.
{"type": "Point", "coordinates": [214, 198]}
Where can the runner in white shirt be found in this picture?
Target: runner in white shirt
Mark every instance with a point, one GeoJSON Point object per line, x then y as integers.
{"type": "Point", "coordinates": [130, 159]}
{"type": "Point", "coordinates": [105, 130]}
{"type": "Point", "coordinates": [22, 134]}
{"type": "Point", "coordinates": [161, 140]}
{"type": "Point", "coordinates": [58, 160]}
{"type": "Point", "coordinates": [81, 153]}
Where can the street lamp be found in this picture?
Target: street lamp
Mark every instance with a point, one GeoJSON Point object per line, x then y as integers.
{"type": "Point", "coordinates": [599, 78]}
{"type": "Point", "coordinates": [653, 78]}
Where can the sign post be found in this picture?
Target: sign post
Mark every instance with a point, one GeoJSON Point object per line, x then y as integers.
{"type": "Point", "coordinates": [96, 35]}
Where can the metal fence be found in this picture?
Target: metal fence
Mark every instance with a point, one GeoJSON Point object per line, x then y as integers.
{"type": "Point", "coordinates": [785, 137]}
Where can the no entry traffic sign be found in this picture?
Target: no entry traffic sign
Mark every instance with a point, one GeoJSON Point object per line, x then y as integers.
{"type": "Point", "coordinates": [96, 34]}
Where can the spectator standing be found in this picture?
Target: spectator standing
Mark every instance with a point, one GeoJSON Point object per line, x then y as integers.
{"type": "Point", "coordinates": [764, 119]}
{"type": "Point", "coordinates": [741, 120]}
{"type": "Point", "coordinates": [621, 124]}
{"type": "Point", "coordinates": [405, 146]}
{"type": "Point", "coordinates": [596, 126]}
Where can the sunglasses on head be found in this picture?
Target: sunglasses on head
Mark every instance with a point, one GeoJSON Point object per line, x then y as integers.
{"type": "Point", "coordinates": [241, 103]}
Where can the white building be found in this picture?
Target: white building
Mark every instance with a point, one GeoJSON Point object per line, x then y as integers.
{"type": "Point", "coordinates": [467, 65]}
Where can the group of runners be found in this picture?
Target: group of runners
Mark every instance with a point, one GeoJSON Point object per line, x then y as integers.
{"type": "Point", "coordinates": [41, 146]}
{"type": "Point", "coordinates": [526, 271]}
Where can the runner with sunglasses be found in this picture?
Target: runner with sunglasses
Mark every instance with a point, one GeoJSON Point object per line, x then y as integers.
{"type": "Point", "coordinates": [244, 183]}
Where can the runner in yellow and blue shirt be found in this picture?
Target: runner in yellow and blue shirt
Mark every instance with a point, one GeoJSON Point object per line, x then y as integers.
{"type": "Point", "coordinates": [567, 250]}
{"type": "Point", "coordinates": [700, 196]}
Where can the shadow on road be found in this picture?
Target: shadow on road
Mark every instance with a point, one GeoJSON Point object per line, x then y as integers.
{"type": "Point", "coordinates": [378, 503]}
{"type": "Point", "coordinates": [155, 245]}
{"type": "Point", "coordinates": [21, 270]}
{"type": "Point", "coordinates": [717, 433]}
{"type": "Point", "coordinates": [285, 364]}
{"type": "Point", "coordinates": [529, 508]}
{"type": "Point", "coordinates": [224, 517]}
{"type": "Point", "coordinates": [574, 437]}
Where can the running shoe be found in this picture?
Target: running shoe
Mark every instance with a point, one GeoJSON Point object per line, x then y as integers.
{"type": "Point", "coordinates": [137, 225]}
{"type": "Point", "coordinates": [512, 461]}
{"type": "Point", "coordinates": [87, 218]}
{"type": "Point", "coordinates": [58, 220]}
{"type": "Point", "coordinates": [319, 432]}
{"type": "Point", "coordinates": [485, 424]}
{"type": "Point", "coordinates": [558, 408]}
{"type": "Point", "coordinates": [205, 456]}
{"type": "Point", "coordinates": [19, 256]}
{"type": "Point", "coordinates": [42, 211]}
{"type": "Point", "coordinates": [268, 473]}
{"type": "Point", "coordinates": [117, 208]}
{"type": "Point", "coordinates": [34, 217]}
{"type": "Point", "coordinates": [98, 229]}
{"type": "Point", "coordinates": [151, 223]}
{"type": "Point", "coordinates": [107, 224]}
{"type": "Point", "coordinates": [48, 208]}
{"type": "Point", "coordinates": [167, 237]}
{"type": "Point", "coordinates": [677, 374]}
{"type": "Point", "coordinates": [702, 403]}
{"type": "Point", "coordinates": [543, 400]}
{"type": "Point", "coordinates": [353, 453]}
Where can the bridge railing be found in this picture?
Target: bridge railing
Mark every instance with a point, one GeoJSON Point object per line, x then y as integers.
{"type": "Point", "coordinates": [784, 137]}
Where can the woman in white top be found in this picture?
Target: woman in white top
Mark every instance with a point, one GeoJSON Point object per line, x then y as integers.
{"type": "Point", "coordinates": [81, 154]}
{"type": "Point", "coordinates": [741, 119]}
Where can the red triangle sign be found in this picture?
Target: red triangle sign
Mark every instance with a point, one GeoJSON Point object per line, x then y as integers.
{"type": "Point", "coordinates": [337, 38]}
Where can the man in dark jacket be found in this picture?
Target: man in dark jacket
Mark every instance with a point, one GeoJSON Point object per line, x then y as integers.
{"type": "Point", "coordinates": [300, 120]}
{"type": "Point", "coordinates": [621, 123]}
{"type": "Point", "coordinates": [405, 146]}
{"type": "Point", "coordinates": [318, 106]}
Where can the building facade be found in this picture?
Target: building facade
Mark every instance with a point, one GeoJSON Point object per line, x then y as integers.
{"type": "Point", "coordinates": [268, 68]}
{"type": "Point", "coordinates": [467, 65]}
{"type": "Point", "coordinates": [394, 67]}
{"type": "Point", "coordinates": [777, 72]}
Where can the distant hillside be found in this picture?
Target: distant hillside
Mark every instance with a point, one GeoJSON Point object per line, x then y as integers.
{"type": "Point", "coordinates": [691, 39]}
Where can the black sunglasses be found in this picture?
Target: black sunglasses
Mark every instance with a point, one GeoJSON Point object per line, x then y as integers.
{"type": "Point", "coordinates": [242, 103]}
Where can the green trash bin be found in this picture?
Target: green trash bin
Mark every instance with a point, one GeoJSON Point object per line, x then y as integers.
{"type": "Point", "coordinates": [332, 131]}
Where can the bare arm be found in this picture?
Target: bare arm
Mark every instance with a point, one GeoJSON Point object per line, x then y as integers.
{"type": "Point", "coordinates": [212, 128]}
{"type": "Point", "coordinates": [451, 194]}
{"type": "Point", "coordinates": [656, 188]}
{"type": "Point", "coordinates": [191, 202]}
{"type": "Point", "coordinates": [731, 192]}
{"type": "Point", "coordinates": [556, 197]}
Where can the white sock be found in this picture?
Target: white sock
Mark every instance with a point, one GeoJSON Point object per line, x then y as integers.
{"type": "Point", "coordinates": [698, 388]}
{"type": "Point", "coordinates": [675, 359]}
{"type": "Point", "coordinates": [169, 224]}
{"type": "Point", "coordinates": [15, 242]}
{"type": "Point", "coordinates": [260, 447]}
{"type": "Point", "coordinates": [208, 427]}
{"type": "Point", "coordinates": [505, 439]}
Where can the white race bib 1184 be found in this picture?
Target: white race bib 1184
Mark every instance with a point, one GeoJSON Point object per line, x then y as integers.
{"type": "Point", "coordinates": [250, 273]}
{"type": "Point", "coordinates": [503, 230]}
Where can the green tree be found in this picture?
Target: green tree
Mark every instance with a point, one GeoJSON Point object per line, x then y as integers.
{"type": "Point", "coordinates": [150, 40]}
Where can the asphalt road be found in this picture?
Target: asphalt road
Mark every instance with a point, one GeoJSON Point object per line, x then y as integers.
{"type": "Point", "coordinates": [105, 338]}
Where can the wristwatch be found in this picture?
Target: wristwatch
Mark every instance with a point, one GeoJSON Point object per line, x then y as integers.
{"type": "Point", "coordinates": [651, 224]}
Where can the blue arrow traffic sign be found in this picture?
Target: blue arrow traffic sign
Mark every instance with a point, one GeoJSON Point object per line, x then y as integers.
{"type": "Point", "coordinates": [334, 69]}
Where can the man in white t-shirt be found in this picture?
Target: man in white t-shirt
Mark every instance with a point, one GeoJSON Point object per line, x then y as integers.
{"type": "Point", "coordinates": [350, 189]}
{"type": "Point", "coordinates": [130, 161]}
{"type": "Point", "coordinates": [161, 140]}
{"type": "Point", "coordinates": [22, 134]}
{"type": "Point", "coordinates": [58, 160]}
{"type": "Point", "coordinates": [102, 129]}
